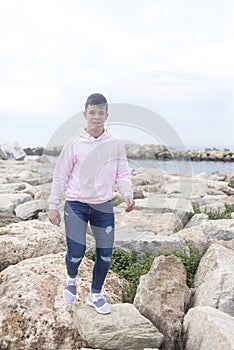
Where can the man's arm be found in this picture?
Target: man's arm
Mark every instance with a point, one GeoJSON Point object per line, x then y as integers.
{"type": "Point", "coordinates": [123, 178]}
{"type": "Point", "coordinates": [62, 171]}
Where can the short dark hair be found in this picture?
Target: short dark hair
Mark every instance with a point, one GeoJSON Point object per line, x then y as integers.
{"type": "Point", "coordinates": [96, 99]}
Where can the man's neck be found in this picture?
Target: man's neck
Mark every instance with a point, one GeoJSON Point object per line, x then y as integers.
{"type": "Point", "coordinates": [95, 132]}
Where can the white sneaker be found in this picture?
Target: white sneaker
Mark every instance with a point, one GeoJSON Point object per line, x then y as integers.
{"type": "Point", "coordinates": [69, 291]}
{"type": "Point", "coordinates": [100, 304]}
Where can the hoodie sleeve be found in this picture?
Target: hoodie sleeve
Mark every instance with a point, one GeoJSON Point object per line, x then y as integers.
{"type": "Point", "coordinates": [62, 171]}
{"type": "Point", "coordinates": [123, 175]}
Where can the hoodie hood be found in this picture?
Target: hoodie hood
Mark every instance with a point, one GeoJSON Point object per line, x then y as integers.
{"type": "Point", "coordinates": [103, 137]}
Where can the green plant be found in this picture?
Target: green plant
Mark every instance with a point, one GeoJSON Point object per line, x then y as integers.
{"type": "Point", "coordinates": [213, 215]}
{"type": "Point", "coordinates": [196, 210]}
{"type": "Point", "coordinates": [231, 183]}
{"type": "Point", "coordinates": [217, 215]}
{"type": "Point", "coordinates": [126, 266]}
{"type": "Point", "coordinates": [117, 200]}
{"type": "Point", "coordinates": [229, 207]}
{"type": "Point", "coordinates": [190, 261]}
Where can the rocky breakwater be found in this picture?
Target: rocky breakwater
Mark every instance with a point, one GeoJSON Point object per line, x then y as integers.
{"type": "Point", "coordinates": [136, 151]}
{"type": "Point", "coordinates": [160, 152]}
{"type": "Point", "coordinates": [173, 213]}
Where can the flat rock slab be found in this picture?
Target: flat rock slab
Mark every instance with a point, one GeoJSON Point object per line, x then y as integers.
{"type": "Point", "coordinates": [123, 328]}
{"type": "Point", "coordinates": [29, 239]}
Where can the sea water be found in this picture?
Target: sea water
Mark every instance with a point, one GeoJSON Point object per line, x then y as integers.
{"type": "Point", "coordinates": [184, 167]}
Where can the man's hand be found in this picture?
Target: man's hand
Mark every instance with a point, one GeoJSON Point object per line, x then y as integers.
{"type": "Point", "coordinates": [54, 217]}
{"type": "Point", "coordinates": [130, 204]}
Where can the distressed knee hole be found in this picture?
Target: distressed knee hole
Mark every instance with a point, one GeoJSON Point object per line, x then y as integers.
{"type": "Point", "coordinates": [108, 229]}
{"type": "Point", "coordinates": [106, 259]}
{"type": "Point", "coordinates": [75, 260]}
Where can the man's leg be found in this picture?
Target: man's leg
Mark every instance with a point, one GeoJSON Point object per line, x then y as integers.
{"type": "Point", "coordinates": [102, 224]}
{"type": "Point", "coordinates": [75, 218]}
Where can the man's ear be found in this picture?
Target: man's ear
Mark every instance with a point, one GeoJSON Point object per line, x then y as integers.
{"type": "Point", "coordinates": [85, 114]}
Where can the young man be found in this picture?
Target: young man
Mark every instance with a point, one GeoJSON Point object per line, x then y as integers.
{"type": "Point", "coordinates": [87, 170]}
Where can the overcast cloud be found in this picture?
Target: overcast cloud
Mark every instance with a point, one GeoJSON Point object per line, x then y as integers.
{"type": "Point", "coordinates": [174, 57]}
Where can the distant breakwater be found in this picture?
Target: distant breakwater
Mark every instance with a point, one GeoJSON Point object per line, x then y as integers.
{"type": "Point", "coordinates": [158, 152]}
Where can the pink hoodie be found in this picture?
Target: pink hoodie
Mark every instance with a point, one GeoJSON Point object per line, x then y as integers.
{"type": "Point", "coordinates": [88, 168]}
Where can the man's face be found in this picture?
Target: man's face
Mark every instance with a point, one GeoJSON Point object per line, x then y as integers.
{"type": "Point", "coordinates": [95, 116]}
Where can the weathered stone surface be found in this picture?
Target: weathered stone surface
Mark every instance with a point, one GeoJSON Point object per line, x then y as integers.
{"type": "Point", "coordinates": [214, 279]}
{"type": "Point", "coordinates": [29, 239]}
{"type": "Point", "coordinates": [43, 159]}
{"type": "Point", "coordinates": [213, 208]}
{"type": "Point", "coordinates": [148, 221]}
{"type": "Point", "coordinates": [14, 187]}
{"type": "Point", "coordinates": [147, 231]}
{"type": "Point", "coordinates": [218, 229]}
{"type": "Point", "coordinates": [162, 297]}
{"type": "Point", "coordinates": [8, 201]}
{"type": "Point", "coordinates": [196, 220]}
{"type": "Point", "coordinates": [211, 199]}
{"type": "Point", "coordinates": [228, 244]}
{"type": "Point", "coordinates": [12, 150]}
{"type": "Point", "coordinates": [123, 328]}
{"type": "Point", "coordinates": [33, 314]}
{"type": "Point", "coordinates": [30, 209]}
{"type": "Point", "coordinates": [146, 242]}
{"type": "Point", "coordinates": [207, 328]}
{"type": "Point", "coordinates": [193, 237]}
{"type": "Point", "coordinates": [222, 229]}
{"type": "Point", "coordinates": [7, 217]}
{"type": "Point", "coordinates": [160, 203]}
{"type": "Point", "coordinates": [21, 187]}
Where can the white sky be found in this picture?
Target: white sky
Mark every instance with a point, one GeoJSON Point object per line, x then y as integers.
{"type": "Point", "coordinates": [174, 57]}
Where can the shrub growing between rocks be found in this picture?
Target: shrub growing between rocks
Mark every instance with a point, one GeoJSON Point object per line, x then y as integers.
{"type": "Point", "coordinates": [213, 215]}
{"type": "Point", "coordinates": [127, 266]}
{"type": "Point", "coordinates": [231, 183]}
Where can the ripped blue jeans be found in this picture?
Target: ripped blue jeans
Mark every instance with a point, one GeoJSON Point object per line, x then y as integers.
{"type": "Point", "coordinates": [101, 218]}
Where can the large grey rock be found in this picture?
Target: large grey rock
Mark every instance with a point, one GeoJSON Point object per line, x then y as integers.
{"type": "Point", "coordinates": [8, 201]}
{"type": "Point", "coordinates": [213, 208]}
{"type": "Point", "coordinates": [12, 150]}
{"type": "Point", "coordinates": [147, 242]}
{"type": "Point", "coordinates": [228, 244]}
{"type": "Point", "coordinates": [159, 203]}
{"type": "Point", "coordinates": [211, 199]}
{"type": "Point", "coordinates": [214, 279]}
{"type": "Point", "coordinates": [218, 229]}
{"type": "Point", "coordinates": [162, 296]}
{"type": "Point", "coordinates": [222, 229]}
{"type": "Point", "coordinates": [147, 231]}
{"type": "Point", "coordinates": [147, 221]}
{"type": "Point", "coordinates": [193, 237]}
{"type": "Point", "coordinates": [23, 240]}
{"type": "Point", "coordinates": [33, 314]}
{"type": "Point", "coordinates": [196, 220]}
{"type": "Point", "coordinates": [30, 209]}
{"type": "Point", "coordinates": [207, 328]}
{"type": "Point", "coordinates": [14, 187]}
{"type": "Point", "coordinates": [123, 328]}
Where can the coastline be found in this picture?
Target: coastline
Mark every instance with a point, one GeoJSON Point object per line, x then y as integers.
{"type": "Point", "coordinates": [158, 152]}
